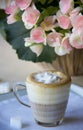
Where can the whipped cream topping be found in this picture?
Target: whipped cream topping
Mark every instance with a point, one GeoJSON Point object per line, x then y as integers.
{"type": "Point", "coordinates": [47, 77]}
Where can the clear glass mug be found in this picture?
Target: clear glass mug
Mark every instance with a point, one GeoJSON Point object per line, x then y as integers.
{"type": "Point", "coordinates": [48, 101]}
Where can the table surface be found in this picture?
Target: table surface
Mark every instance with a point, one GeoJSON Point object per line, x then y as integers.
{"type": "Point", "coordinates": [73, 117]}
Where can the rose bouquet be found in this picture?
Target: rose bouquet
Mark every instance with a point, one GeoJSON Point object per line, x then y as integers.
{"type": "Point", "coordinates": [42, 29]}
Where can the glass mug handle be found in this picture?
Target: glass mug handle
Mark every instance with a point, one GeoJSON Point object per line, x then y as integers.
{"type": "Point", "coordinates": [17, 95]}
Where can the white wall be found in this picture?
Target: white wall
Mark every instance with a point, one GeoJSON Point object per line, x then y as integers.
{"type": "Point", "coordinates": [11, 68]}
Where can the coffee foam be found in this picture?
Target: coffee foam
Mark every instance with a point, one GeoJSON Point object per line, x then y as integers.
{"type": "Point", "coordinates": [47, 77]}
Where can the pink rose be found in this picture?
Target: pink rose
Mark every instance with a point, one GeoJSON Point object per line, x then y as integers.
{"type": "Point", "coordinates": [77, 22]}
{"type": "Point", "coordinates": [63, 20]}
{"type": "Point", "coordinates": [54, 39]}
{"type": "Point", "coordinates": [11, 19]}
{"type": "Point", "coordinates": [66, 44]}
{"type": "Point", "coordinates": [66, 6]}
{"type": "Point", "coordinates": [30, 17]}
{"type": "Point", "coordinates": [48, 23]}
{"type": "Point", "coordinates": [60, 50]}
{"type": "Point", "coordinates": [64, 47]}
{"type": "Point", "coordinates": [38, 35]}
{"type": "Point", "coordinates": [23, 4]}
{"type": "Point", "coordinates": [75, 12]}
{"type": "Point", "coordinates": [12, 10]}
{"type": "Point", "coordinates": [37, 48]}
{"type": "Point", "coordinates": [76, 39]}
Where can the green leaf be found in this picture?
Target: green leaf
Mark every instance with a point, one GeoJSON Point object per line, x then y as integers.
{"type": "Point", "coordinates": [2, 29]}
{"type": "Point", "coordinates": [15, 31]}
{"type": "Point", "coordinates": [50, 1]}
{"type": "Point", "coordinates": [2, 14]}
{"type": "Point", "coordinates": [15, 36]}
{"type": "Point", "coordinates": [42, 1]}
{"type": "Point", "coordinates": [47, 55]}
{"type": "Point", "coordinates": [2, 19]}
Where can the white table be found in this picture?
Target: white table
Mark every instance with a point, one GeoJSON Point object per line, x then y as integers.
{"type": "Point", "coordinates": [11, 107]}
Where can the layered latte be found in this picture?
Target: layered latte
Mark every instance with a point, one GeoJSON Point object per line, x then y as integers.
{"type": "Point", "coordinates": [48, 93]}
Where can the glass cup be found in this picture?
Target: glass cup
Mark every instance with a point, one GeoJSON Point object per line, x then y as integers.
{"type": "Point", "coordinates": [48, 101]}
